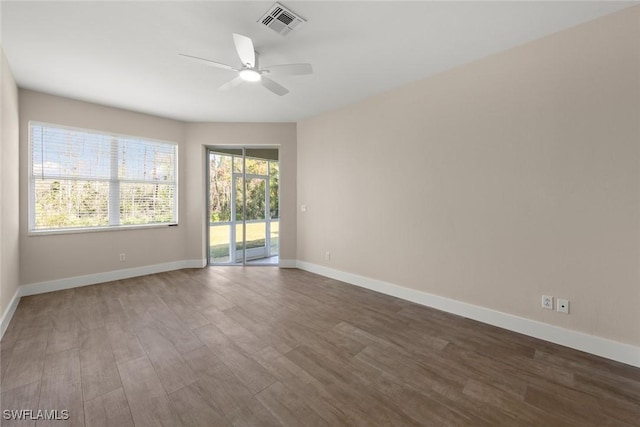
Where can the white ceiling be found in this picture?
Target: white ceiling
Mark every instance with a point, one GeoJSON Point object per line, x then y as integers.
{"type": "Point", "coordinates": [125, 54]}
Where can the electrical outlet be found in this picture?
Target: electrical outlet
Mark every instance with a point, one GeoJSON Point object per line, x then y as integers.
{"type": "Point", "coordinates": [303, 208]}
{"type": "Point", "coordinates": [327, 256]}
{"type": "Point", "coordinates": [547, 302]}
{"type": "Point", "coordinates": [562, 306]}
{"type": "Point", "coordinates": [122, 257]}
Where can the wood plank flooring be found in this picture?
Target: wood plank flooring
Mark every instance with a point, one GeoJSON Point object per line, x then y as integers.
{"type": "Point", "coordinates": [269, 347]}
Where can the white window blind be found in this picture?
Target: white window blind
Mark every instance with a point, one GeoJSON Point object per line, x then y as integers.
{"type": "Point", "coordinates": [88, 179]}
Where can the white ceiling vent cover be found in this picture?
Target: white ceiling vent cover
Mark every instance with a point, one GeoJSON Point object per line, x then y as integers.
{"type": "Point", "coordinates": [281, 20]}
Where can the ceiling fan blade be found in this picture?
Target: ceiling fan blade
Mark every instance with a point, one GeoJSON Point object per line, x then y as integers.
{"type": "Point", "coordinates": [231, 84]}
{"type": "Point", "coordinates": [246, 52]}
{"type": "Point", "coordinates": [289, 69]}
{"type": "Point", "coordinates": [274, 87]}
{"type": "Point", "coordinates": [209, 62]}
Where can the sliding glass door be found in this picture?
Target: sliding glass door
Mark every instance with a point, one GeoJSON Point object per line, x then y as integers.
{"type": "Point", "coordinates": [243, 205]}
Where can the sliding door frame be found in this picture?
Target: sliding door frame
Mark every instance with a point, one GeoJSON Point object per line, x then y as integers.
{"type": "Point", "coordinates": [244, 176]}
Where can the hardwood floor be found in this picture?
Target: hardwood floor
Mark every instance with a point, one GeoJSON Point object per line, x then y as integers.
{"type": "Point", "coordinates": [269, 347]}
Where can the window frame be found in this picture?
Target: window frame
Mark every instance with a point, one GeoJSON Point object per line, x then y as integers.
{"type": "Point", "coordinates": [31, 231]}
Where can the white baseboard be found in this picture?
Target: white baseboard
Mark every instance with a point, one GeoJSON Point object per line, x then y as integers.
{"type": "Point", "coordinates": [8, 313]}
{"type": "Point", "coordinates": [108, 276]}
{"type": "Point", "coordinates": [288, 263]}
{"type": "Point", "coordinates": [599, 346]}
{"type": "Point", "coordinates": [194, 263]}
{"type": "Point", "coordinates": [91, 279]}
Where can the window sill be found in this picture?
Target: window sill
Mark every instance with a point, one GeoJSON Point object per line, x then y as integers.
{"type": "Point", "coordinates": [50, 232]}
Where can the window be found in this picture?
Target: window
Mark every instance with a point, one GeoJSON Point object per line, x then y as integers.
{"type": "Point", "coordinates": [84, 179]}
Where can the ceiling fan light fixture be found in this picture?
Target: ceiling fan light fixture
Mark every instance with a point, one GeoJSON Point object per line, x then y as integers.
{"type": "Point", "coordinates": [250, 71]}
{"type": "Point", "coordinates": [249, 75]}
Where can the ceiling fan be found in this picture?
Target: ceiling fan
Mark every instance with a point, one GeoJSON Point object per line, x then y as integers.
{"type": "Point", "coordinates": [250, 71]}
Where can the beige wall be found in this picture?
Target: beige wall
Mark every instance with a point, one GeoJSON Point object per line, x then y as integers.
{"type": "Point", "coordinates": [200, 135]}
{"type": "Point", "coordinates": [9, 213]}
{"type": "Point", "coordinates": [493, 183]}
{"type": "Point", "coordinates": [50, 257]}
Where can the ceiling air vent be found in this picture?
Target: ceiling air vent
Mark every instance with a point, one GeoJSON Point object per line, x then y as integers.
{"type": "Point", "coordinates": [281, 20]}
